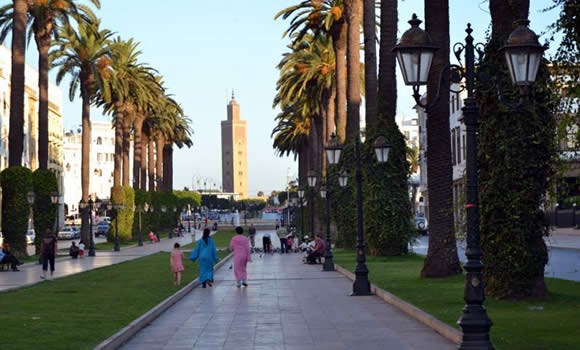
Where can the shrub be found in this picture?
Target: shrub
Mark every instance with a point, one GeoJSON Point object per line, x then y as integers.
{"type": "Point", "coordinates": [122, 195]}
{"type": "Point", "coordinates": [44, 183]}
{"type": "Point", "coordinates": [16, 183]}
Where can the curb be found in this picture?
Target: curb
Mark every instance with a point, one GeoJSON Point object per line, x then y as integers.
{"type": "Point", "coordinates": [125, 334]}
{"type": "Point", "coordinates": [443, 329]}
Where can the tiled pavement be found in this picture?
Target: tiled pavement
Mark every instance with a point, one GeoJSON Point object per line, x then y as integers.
{"type": "Point", "coordinates": [288, 305]}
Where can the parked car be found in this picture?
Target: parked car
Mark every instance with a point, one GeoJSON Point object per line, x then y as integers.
{"type": "Point", "coordinates": [422, 225]}
{"type": "Point", "coordinates": [102, 228]}
{"type": "Point", "coordinates": [30, 235]}
{"type": "Point", "coordinates": [68, 232]}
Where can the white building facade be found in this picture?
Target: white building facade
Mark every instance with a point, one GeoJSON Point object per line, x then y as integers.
{"type": "Point", "coordinates": [457, 137]}
{"type": "Point", "coordinates": [31, 107]}
{"type": "Point", "coordinates": [101, 167]}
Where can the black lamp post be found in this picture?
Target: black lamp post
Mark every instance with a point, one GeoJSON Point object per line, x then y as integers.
{"type": "Point", "coordinates": [91, 205]}
{"type": "Point", "coordinates": [382, 148]}
{"type": "Point", "coordinates": [523, 55]}
{"type": "Point", "coordinates": [301, 199]}
{"type": "Point", "coordinates": [311, 180]}
{"type": "Point", "coordinates": [30, 197]}
{"type": "Point", "coordinates": [140, 209]}
{"type": "Point", "coordinates": [54, 198]}
{"type": "Point", "coordinates": [163, 211]}
{"type": "Point", "coordinates": [116, 207]}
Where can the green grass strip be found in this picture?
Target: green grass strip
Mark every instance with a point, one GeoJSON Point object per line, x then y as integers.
{"type": "Point", "coordinates": [80, 311]}
{"type": "Point", "coordinates": [221, 239]}
{"type": "Point", "coordinates": [517, 324]}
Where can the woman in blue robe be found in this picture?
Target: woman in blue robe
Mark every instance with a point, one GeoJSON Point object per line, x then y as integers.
{"type": "Point", "coordinates": [206, 253]}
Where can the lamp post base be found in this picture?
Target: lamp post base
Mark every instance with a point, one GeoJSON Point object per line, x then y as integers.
{"type": "Point", "coordinates": [140, 239]}
{"type": "Point", "coordinates": [361, 285]}
{"type": "Point", "coordinates": [328, 264]}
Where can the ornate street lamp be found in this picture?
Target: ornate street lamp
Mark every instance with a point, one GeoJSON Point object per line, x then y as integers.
{"type": "Point", "coordinates": [523, 54]}
{"type": "Point", "coordinates": [54, 198]}
{"type": "Point", "coordinates": [301, 199]}
{"type": "Point", "coordinates": [311, 179]}
{"type": "Point", "coordinates": [30, 196]}
{"type": "Point", "coordinates": [381, 147]}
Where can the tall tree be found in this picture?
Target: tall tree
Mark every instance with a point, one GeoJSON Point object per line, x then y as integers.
{"type": "Point", "coordinates": [370, 45]}
{"type": "Point", "coordinates": [515, 168]}
{"type": "Point", "coordinates": [442, 259]}
{"type": "Point", "coordinates": [47, 17]}
{"type": "Point", "coordinates": [84, 54]}
{"type": "Point", "coordinates": [13, 19]}
{"type": "Point", "coordinates": [324, 16]}
{"type": "Point", "coordinates": [353, 14]}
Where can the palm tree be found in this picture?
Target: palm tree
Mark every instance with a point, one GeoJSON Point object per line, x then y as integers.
{"type": "Point", "coordinates": [387, 99]}
{"type": "Point", "coordinates": [353, 12]}
{"type": "Point", "coordinates": [442, 259]}
{"type": "Point", "coordinates": [13, 19]}
{"type": "Point", "coordinates": [84, 54]}
{"type": "Point", "coordinates": [47, 17]}
{"type": "Point", "coordinates": [318, 17]}
{"type": "Point", "coordinates": [370, 45]}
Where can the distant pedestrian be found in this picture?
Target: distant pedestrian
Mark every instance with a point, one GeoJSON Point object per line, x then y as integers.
{"type": "Point", "coordinates": [81, 249]}
{"type": "Point", "coordinates": [48, 251]}
{"type": "Point", "coordinates": [7, 258]}
{"type": "Point", "coordinates": [73, 251]}
{"type": "Point", "coordinates": [176, 263]}
{"type": "Point", "coordinates": [242, 256]}
{"type": "Point", "coordinates": [252, 234]}
{"type": "Point", "coordinates": [282, 232]}
{"type": "Point", "coordinates": [267, 243]}
{"type": "Point", "coordinates": [319, 250]}
{"type": "Point", "coordinates": [206, 252]}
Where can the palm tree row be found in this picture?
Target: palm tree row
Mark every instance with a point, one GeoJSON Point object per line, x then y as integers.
{"type": "Point", "coordinates": [105, 72]}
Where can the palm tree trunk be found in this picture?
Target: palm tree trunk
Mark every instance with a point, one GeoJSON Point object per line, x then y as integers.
{"type": "Point", "coordinates": [353, 11]}
{"type": "Point", "coordinates": [16, 131]}
{"type": "Point", "coordinates": [137, 149]}
{"type": "Point", "coordinates": [126, 147]}
{"type": "Point", "coordinates": [144, 147]}
{"type": "Point", "coordinates": [159, 144]}
{"type": "Point", "coordinates": [370, 40]}
{"type": "Point", "coordinates": [330, 114]}
{"type": "Point", "coordinates": [302, 164]}
{"type": "Point", "coordinates": [151, 160]}
{"type": "Point", "coordinates": [387, 95]}
{"type": "Point", "coordinates": [43, 66]}
{"type": "Point", "coordinates": [442, 259]}
{"type": "Point", "coordinates": [118, 147]}
{"type": "Point", "coordinates": [339, 43]}
{"type": "Point", "coordinates": [168, 166]}
{"type": "Point", "coordinates": [85, 157]}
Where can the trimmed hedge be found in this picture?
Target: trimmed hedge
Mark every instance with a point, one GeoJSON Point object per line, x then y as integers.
{"type": "Point", "coordinates": [44, 183]}
{"type": "Point", "coordinates": [16, 183]}
{"type": "Point", "coordinates": [122, 195]}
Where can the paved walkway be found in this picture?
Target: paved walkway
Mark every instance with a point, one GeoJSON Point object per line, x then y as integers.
{"type": "Point", "coordinates": [30, 273]}
{"type": "Point", "coordinates": [288, 305]}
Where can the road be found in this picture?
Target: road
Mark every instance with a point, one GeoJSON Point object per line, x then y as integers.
{"type": "Point", "coordinates": [563, 263]}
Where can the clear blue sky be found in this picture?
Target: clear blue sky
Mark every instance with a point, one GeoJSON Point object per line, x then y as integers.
{"type": "Point", "coordinates": [205, 48]}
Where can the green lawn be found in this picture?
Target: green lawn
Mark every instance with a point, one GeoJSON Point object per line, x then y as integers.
{"type": "Point", "coordinates": [80, 311]}
{"type": "Point", "coordinates": [221, 239]}
{"type": "Point", "coordinates": [516, 326]}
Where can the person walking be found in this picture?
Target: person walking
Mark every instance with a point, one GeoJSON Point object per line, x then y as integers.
{"type": "Point", "coordinates": [282, 232]}
{"type": "Point", "coordinates": [267, 243]}
{"type": "Point", "coordinates": [48, 250]}
{"type": "Point", "coordinates": [206, 252]}
{"type": "Point", "coordinates": [176, 263]}
{"type": "Point", "coordinates": [252, 234]}
{"type": "Point", "coordinates": [241, 248]}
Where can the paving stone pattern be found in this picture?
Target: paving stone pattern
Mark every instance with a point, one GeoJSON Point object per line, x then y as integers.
{"type": "Point", "coordinates": [288, 305]}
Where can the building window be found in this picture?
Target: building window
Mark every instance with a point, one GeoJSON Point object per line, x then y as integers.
{"type": "Point", "coordinates": [453, 147]}
{"type": "Point", "coordinates": [99, 141]}
{"type": "Point", "coordinates": [99, 157]}
{"type": "Point", "coordinates": [463, 146]}
{"type": "Point", "coordinates": [458, 134]}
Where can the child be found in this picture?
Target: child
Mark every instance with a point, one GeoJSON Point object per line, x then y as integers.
{"type": "Point", "coordinates": [81, 249]}
{"type": "Point", "coordinates": [176, 264]}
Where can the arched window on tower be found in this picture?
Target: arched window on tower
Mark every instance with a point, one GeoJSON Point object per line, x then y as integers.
{"type": "Point", "coordinates": [99, 141]}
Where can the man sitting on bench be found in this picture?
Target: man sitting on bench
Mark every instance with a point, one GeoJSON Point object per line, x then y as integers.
{"type": "Point", "coordinates": [318, 252]}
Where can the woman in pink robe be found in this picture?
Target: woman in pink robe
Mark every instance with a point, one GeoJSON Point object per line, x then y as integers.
{"type": "Point", "coordinates": [241, 248]}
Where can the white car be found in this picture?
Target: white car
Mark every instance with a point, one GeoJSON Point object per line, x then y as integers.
{"type": "Point", "coordinates": [30, 235]}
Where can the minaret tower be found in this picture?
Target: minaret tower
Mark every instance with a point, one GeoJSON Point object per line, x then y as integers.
{"type": "Point", "coordinates": [234, 152]}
